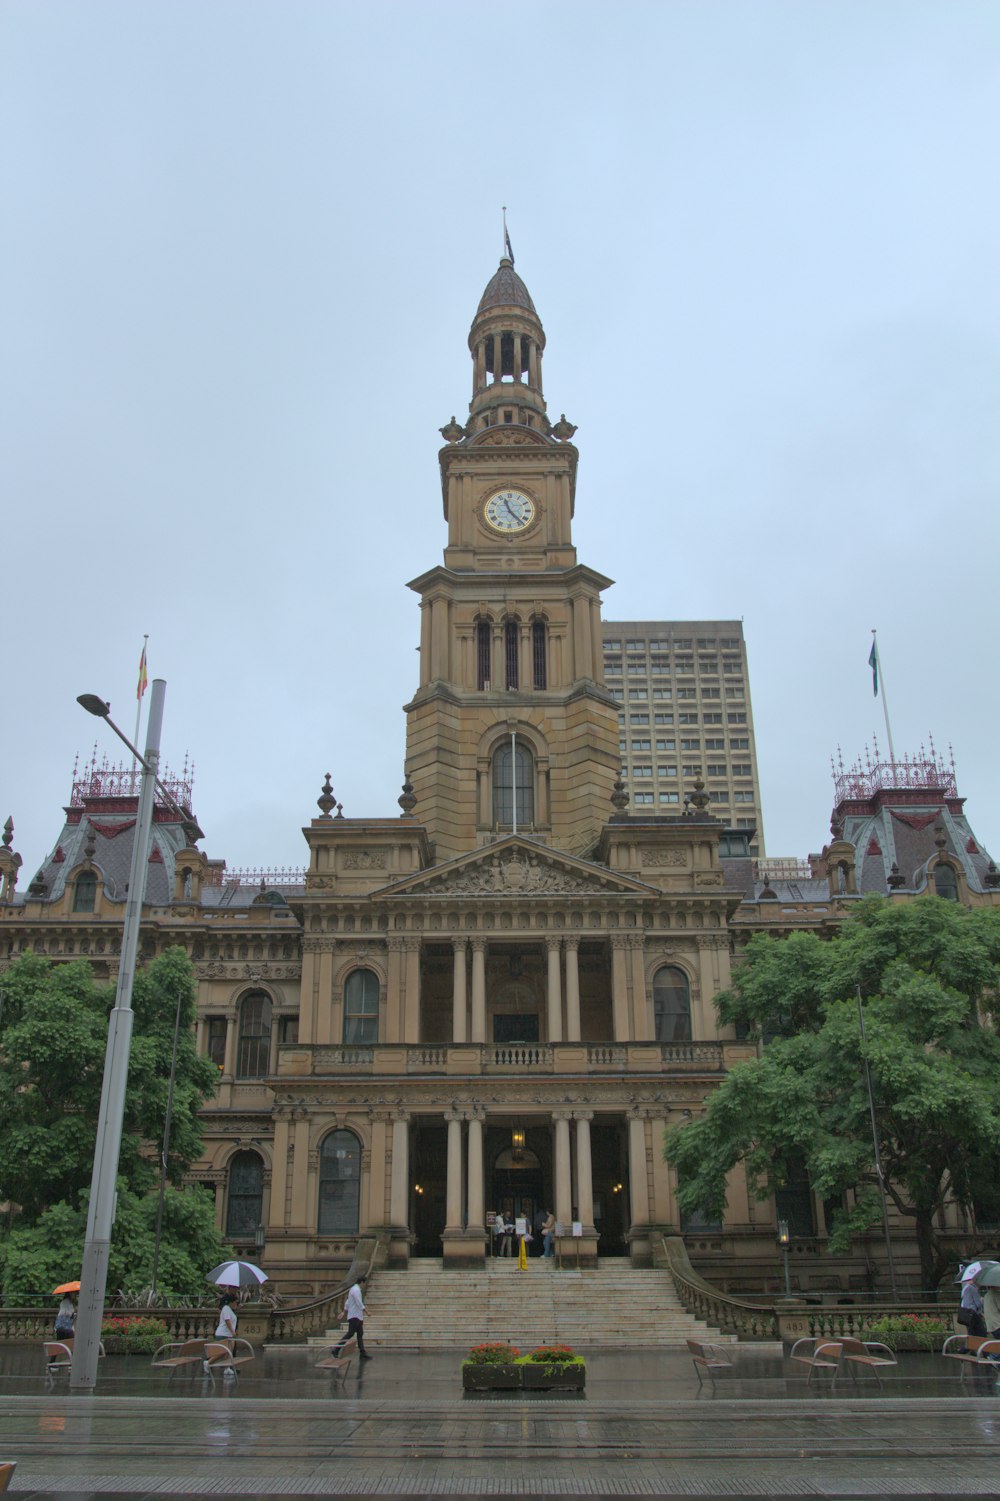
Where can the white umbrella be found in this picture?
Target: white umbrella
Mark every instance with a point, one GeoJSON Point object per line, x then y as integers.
{"type": "Point", "coordinates": [236, 1274]}
{"type": "Point", "coordinates": [973, 1269]}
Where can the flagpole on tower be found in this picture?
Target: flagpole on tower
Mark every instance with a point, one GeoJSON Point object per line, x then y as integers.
{"type": "Point", "coordinates": [878, 676]}
{"type": "Point", "coordinates": [140, 689]}
{"type": "Point", "coordinates": [508, 247]}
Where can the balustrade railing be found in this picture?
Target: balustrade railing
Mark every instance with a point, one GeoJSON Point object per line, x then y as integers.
{"type": "Point", "coordinates": [520, 1055]}
{"type": "Point", "coordinates": [315, 1317]}
{"type": "Point", "coordinates": [745, 1320]}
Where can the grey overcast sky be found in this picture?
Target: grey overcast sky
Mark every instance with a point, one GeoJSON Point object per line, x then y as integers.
{"type": "Point", "coordinates": [241, 245]}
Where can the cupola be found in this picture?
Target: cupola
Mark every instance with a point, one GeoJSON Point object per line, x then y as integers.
{"type": "Point", "coordinates": [506, 341]}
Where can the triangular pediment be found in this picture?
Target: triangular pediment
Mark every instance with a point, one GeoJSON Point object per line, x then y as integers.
{"type": "Point", "coordinates": [517, 867]}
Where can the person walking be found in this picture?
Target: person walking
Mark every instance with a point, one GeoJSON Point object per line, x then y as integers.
{"type": "Point", "coordinates": [354, 1312]}
{"type": "Point", "coordinates": [65, 1318]}
{"type": "Point", "coordinates": [549, 1235]}
{"type": "Point", "coordinates": [972, 1302]}
{"type": "Point", "coordinates": [225, 1332]}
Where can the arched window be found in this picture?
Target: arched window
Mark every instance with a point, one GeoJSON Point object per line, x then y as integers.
{"type": "Point", "coordinates": [513, 776]}
{"type": "Point", "coordinates": [339, 1184]}
{"type": "Point", "coordinates": [672, 1005]}
{"type": "Point", "coordinates": [484, 651]}
{"type": "Point", "coordinates": [361, 1007]}
{"type": "Point", "coordinates": [539, 661]}
{"type": "Point", "coordinates": [85, 892]}
{"type": "Point", "coordinates": [511, 648]}
{"type": "Point", "coordinates": [945, 883]}
{"type": "Point", "coordinates": [254, 1045]}
{"type": "Point", "coordinates": [245, 1199]}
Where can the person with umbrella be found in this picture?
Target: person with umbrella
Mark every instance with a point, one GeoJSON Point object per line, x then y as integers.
{"type": "Point", "coordinates": [970, 1313]}
{"type": "Point", "coordinates": [66, 1312]}
{"type": "Point", "coordinates": [229, 1276]}
{"type": "Point", "coordinates": [988, 1282]}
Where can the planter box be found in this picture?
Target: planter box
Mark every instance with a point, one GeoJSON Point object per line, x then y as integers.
{"type": "Point", "coordinates": [491, 1378]}
{"type": "Point", "coordinates": [563, 1378]}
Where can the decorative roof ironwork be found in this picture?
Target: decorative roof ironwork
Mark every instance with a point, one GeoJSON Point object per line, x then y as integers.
{"type": "Point", "coordinates": [928, 771]}
{"type": "Point", "coordinates": [108, 779]}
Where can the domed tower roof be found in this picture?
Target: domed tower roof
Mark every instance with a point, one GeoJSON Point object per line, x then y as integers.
{"type": "Point", "coordinates": [505, 289]}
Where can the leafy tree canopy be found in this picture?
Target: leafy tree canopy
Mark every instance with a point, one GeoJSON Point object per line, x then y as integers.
{"type": "Point", "coordinates": [929, 973]}
{"type": "Point", "coordinates": [52, 1047]}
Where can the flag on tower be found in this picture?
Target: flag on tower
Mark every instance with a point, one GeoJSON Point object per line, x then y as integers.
{"type": "Point", "coordinates": [143, 682]}
{"type": "Point", "coordinates": [510, 248]}
{"type": "Point", "coordinates": [873, 664]}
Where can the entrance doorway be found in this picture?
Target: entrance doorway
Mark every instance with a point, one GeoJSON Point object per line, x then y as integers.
{"type": "Point", "coordinates": [517, 1189]}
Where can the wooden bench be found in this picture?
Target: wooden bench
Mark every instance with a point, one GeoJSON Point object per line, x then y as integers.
{"type": "Point", "coordinates": [818, 1355]}
{"type": "Point", "coordinates": [59, 1357]}
{"type": "Point", "coordinates": [7, 1473]}
{"type": "Point", "coordinates": [708, 1358]}
{"type": "Point", "coordinates": [339, 1365]}
{"type": "Point", "coordinates": [197, 1354]}
{"type": "Point", "coordinates": [866, 1354]}
{"type": "Point", "coordinates": [973, 1350]}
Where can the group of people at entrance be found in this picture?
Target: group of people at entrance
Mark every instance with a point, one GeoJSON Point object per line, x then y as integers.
{"type": "Point", "coordinates": [505, 1233]}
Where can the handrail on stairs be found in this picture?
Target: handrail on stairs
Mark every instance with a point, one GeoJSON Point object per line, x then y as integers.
{"type": "Point", "coordinates": [745, 1320]}
{"type": "Point", "coordinates": [286, 1324]}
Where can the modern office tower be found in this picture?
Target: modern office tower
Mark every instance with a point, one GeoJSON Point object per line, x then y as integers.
{"type": "Point", "coordinates": [684, 712]}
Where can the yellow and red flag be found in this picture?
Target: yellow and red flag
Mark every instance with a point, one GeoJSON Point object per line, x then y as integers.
{"type": "Point", "coordinates": [143, 682]}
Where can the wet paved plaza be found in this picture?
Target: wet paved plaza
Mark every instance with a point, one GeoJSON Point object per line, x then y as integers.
{"type": "Point", "coordinates": [401, 1426]}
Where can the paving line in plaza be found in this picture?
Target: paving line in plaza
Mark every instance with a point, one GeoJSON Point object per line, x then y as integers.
{"type": "Point", "coordinates": [954, 1481]}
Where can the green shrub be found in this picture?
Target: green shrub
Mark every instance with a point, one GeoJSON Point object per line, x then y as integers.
{"type": "Point", "coordinates": [491, 1354]}
{"type": "Point", "coordinates": [928, 1329]}
{"type": "Point", "coordinates": [134, 1336]}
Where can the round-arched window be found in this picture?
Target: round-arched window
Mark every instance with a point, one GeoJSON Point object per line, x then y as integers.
{"type": "Point", "coordinates": [245, 1198]}
{"type": "Point", "coordinates": [945, 883]}
{"type": "Point", "coordinates": [253, 1051]}
{"type": "Point", "coordinates": [85, 892]}
{"type": "Point", "coordinates": [513, 777]}
{"type": "Point", "coordinates": [339, 1184]}
{"type": "Point", "coordinates": [672, 1005]}
{"type": "Point", "coordinates": [361, 1008]}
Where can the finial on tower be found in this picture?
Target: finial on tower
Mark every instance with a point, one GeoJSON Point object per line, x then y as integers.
{"type": "Point", "coordinates": [508, 248]}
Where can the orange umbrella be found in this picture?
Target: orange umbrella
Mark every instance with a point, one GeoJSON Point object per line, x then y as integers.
{"type": "Point", "coordinates": [66, 1287]}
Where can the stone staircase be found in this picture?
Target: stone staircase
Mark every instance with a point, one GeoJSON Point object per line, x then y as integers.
{"type": "Point", "coordinates": [612, 1305]}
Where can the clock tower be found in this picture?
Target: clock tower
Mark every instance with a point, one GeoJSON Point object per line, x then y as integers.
{"type": "Point", "coordinates": [511, 729]}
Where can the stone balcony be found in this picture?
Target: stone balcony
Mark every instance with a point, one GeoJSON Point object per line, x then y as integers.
{"type": "Point", "coordinates": [622, 1059]}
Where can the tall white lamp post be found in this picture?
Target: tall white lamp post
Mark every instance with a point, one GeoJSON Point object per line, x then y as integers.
{"type": "Point", "coordinates": [100, 1218]}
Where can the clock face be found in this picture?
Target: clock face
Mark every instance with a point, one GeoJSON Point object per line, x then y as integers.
{"type": "Point", "coordinates": [510, 511]}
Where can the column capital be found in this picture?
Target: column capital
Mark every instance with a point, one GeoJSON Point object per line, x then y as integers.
{"type": "Point", "coordinates": [552, 943]}
{"type": "Point", "coordinates": [572, 942]}
{"type": "Point", "coordinates": [396, 943]}
{"type": "Point", "coordinates": [398, 1114]}
{"type": "Point", "coordinates": [413, 943]}
{"type": "Point", "coordinates": [478, 945]}
{"type": "Point", "coordinates": [477, 1113]}
{"type": "Point", "coordinates": [379, 1114]}
{"type": "Point", "coordinates": [621, 941]}
{"type": "Point", "coordinates": [460, 944]}
{"type": "Point", "coordinates": [451, 1116]}
{"type": "Point", "coordinates": [583, 1115]}
{"type": "Point", "coordinates": [562, 1115]}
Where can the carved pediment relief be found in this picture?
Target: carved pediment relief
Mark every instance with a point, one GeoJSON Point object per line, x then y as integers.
{"type": "Point", "coordinates": [517, 868]}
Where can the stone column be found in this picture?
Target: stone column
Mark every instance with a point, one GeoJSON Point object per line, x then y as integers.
{"type": "Point", "coordinates": [479, 990]}
{"type": "Point", "coordinates": [393, 1032]}
{"type": "Point", "coordinates": [439, 637]}
{"type": "Point", "coordinates": [399, 1208]}
{"type": "Point", "coordinates": [533, 364]}
{"type": "Point", "coordinates": [572, 990]}
{"type": "Point", "coordinates": [564, 1191]}
{"type": "Point", "coordinates": [453, 1199]}
{"type": "Point", "coordinates": [584, 1175]}
{"type": "Point", "coordinates": [411, 997]}
{"type": "Point", "coordinates": [638, 1190]}
{"type": "Point", "coordinates": [279, 1167]}
{"type": "Point", "coordinates": [459, 990]}
{"type": "Point", "coordinates": [376, 1188]}
{"type": "Point", "coordinates": [232, 1039]}
{"type": "Point", "coordinates": [619, 986]}
{"type": "Point", "coordinates": [303, 1213]}
{"type": "Point", "coordinates": [476, 1202]}
{"type": "Point", "coordinates": [642, 1018]}
{"type": "Point", "coordinates": [553, 993]}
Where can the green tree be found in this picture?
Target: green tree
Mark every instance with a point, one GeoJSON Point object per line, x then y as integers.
{"type": "Point", "coordinates": [929, 973]}
{"type": "Point", "coordinates": [55, 1027]}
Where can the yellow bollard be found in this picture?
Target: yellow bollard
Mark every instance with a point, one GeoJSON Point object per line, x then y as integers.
{"type": "Point", "coordinates": [522, 1255]}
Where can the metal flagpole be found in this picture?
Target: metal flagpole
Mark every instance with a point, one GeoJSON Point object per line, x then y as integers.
{"type": "Point", "coordinates": [140, 690]}
{"type": "Point", "coordinates": [885, 701]}
{"type": "Point", "coordinates": [513, 778]}
{"type": "Point", "coordinates": [878, 1155]}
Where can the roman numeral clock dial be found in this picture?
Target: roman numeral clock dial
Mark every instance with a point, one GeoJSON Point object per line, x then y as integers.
{"type": "Point", "coordinates": [509, 511]}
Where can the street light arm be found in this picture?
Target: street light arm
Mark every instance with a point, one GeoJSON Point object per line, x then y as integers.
{"type": "Point", "coordinates": [96, 706]}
